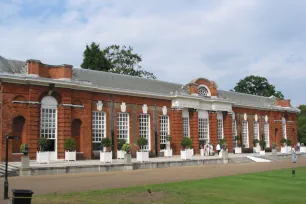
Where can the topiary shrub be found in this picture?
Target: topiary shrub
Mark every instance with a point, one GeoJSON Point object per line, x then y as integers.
{"type": "Point", "coordinates": [70, 144]}
{"type": "Point", "coordinates": [168, 138]}
{"type": "Point", "coordinates": [142, 142]}
{"type": "Point", "coordinates": [303, 140]}
{"type": "Point", "coordinates": [186, 143]}
{"type": "Point", "coordinates": [274, 145]}
{"type": "Point", "coordinates": [24, 148]}
{"type": "Point", "coordinates": [127, 148]}
{"type": "Point", "coordinates": [262, 144]}
{"type": "Point", "coordinates": [43, 144]}
{"type": "Point", "coordinates": [121, 142]}
{"type": "Point", "coordinates": [283, 140]}
{"type": "Point", "coordinates": [255, 142]}
{"type": "Point", "coordinates": [106, 142]}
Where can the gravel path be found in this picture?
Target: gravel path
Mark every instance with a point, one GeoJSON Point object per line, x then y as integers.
{"type": "Point", "coordinates": [120, 179]}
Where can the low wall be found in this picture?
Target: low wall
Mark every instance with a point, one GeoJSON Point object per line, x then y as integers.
{"type": "Point", "coordinates": [114, 167]}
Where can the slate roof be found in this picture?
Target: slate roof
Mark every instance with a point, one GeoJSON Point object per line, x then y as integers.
{"type": "Point", "coordinates": [125, 82]}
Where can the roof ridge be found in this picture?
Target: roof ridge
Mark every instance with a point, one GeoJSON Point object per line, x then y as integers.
{"type": "Point", "coordinates": [247, 94]}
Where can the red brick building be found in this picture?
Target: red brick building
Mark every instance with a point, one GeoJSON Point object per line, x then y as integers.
{"type": "Point", "coordinates": [58, 102]}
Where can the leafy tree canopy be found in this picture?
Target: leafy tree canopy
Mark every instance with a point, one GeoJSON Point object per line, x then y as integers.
{"type": "Point", "coordinates": [116, 59]}
{"type": "Point", "coordinates": [302, 122]}
{"type": "Point", "coordinates": [257, 85]}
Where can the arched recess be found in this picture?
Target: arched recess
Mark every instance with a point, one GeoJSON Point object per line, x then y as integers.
{"type": "Point", "coordinates": [76, 133]}
{"type": "Point", "coordinates": [18, 129]}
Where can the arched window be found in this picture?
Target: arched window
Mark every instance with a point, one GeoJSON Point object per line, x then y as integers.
{"type": "Point", "coordinates": [284, 129]}
{"type": "Point", "coordinates": [245, 132]}
{"type": "Point", "coordinates": [220, 125]}
{"type": "Point", "coordinates": [48, 122]}
{"type": "Point", "coordinates": [186, 123]}
{"type": "Point", "coordinates": [164, 130]}
{"type": "Point", "coordinates": [98, 128]}
{"type": "Point", "coordinates": [234, 127]}
{"type": "Point", "coordinates": [203, 91]}
{"type": "Point", "coordinates": [123, 124]}
{"type": "Point", "coordinates": [144, 130]}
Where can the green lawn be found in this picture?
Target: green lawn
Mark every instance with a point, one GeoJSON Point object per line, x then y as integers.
{"type": "Point", "coordinates": [278, 187]}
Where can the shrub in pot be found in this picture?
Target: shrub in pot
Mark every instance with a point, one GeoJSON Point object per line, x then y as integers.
{"type": "Point", "coordinates": [105, 154]}
{"type": "Point", "coordinates": [237, 149]}
{"type": "Point", "coordinates": [186, 153]}
{"type": "Point", "coordinates": [127, 156]}
{"type": "Point", "coordinates": [289, 142]}
{"type": "Point", "coordinates": [142, 155]}
{"type": "Point", "coordinates": [70, 149]}
{"type": "Point", "coordinates": [255, 142]}
{"type": "Point", "coordinates": [262, 144]}
{"type": "Point", "coordinates": [283, 141]}
{"type": "Point", "coordinates": [120, 152]}
{"type": "Point", "coordinates": [168, 150]}
{"type": "Point", "coordinates": [24, 148]}
{"type": "Point", "coordinates": [43, 156]}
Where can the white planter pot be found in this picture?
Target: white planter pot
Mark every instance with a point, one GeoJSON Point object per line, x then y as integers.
{"type": "Point", "coordinates": [106, 157]}
{"type": "Point", "coordinates": [168, 146]}
{"type": "Point", "coordinates": [237, 150]}
{"type": "Point", "coordinates": [262, 152]}
{"type": "Point", "coordinates": [284, 150]}
{"type": "Point", "coordinates": [256, 149]}
{"type": "Point", "coordinates": [70, 156]}
{"type": "Point", "coordinates": [142, 156]}
{"type": "Point", "coordinates": [168, 153]}
{"type": "Point", "coordinates": [43, 157]}
{"type": "Point", "coordinates": [202, 152]}
{"type": "Point", "coordinates": [303, 149]}
{"type": "Point", "coordinates": [120, 154]}
{"type": "Point", "coordinates": [220, 153]}
{"type": "Point", "coordinates": [288, 149]}
{"type": "Point", "coordinates": [186, 154]}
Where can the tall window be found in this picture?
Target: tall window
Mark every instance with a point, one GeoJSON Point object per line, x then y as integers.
{"type": "Point", "coordinates": [245, 134]}
{"type": "Point", "coordinates": [98, 128]}
{"type": "Point", "coordinates": [234, 129]}
{"type": "Point", "coordinates": [48, 121]}
{"type": "Point", "coordinates": [220, 125]}
{"type": "Point", "coordinates": [164, 130]}
{"type": "Point", "coordinates": [123, 126]}
{"type": "Point", "coordinates": [284, 129]}
{"type": "Point", "coordinates": [256, 130]}
{"type": "Point", "coordinates": [203, 129]}
{"type": "Point", "coordinates": [144, 129]}
{"type": "Point", "coordinates": [266, 134]}
{"type": "Point", "coordinates": [185, 127]}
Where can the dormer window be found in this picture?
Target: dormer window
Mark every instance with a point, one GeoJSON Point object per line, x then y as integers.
{"type": "Point", "coordinates": [203, 91]}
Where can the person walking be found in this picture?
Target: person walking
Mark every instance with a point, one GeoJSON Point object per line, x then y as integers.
{"type": "Point", "coordinates": [218, 148]}
{"type": "Point", "coordinates": [298, 144]}
{"type": "Point", "coordinates": [293, 154]}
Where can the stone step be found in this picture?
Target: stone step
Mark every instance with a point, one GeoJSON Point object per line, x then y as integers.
{"type": "Point", "coordinates": [239, 160]}
{"type": "Point", "coordinates": [12, 170]}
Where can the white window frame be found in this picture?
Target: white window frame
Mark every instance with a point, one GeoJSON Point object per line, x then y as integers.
{"type": "Point", "coordinates": [284, 128]}
{"type": "Point", "coordinates": [49, 103]}
{"type": "Point", "coordinates": [256, 130]}
{"type": "Point", "coordinates": [186, 123]}
{"type": "Point", "coordinates": [245, 133]}
{"type": "Point", "coordinates": [203, 126]}
{"type": "Point", "coordinates": [267, 134]}
{"type": "Point", "coordinates": [208, 91]}
{"type": "Point", "coordinates": [164, 128]}
{"type": "Point", "coordinates": [123, 124]}
{"type": "Point", "coordinates": [145, 130]}
{"type": "Point", "coordinates": [220, 126]}
{"type": "Point", "coordinates": [234, 129]}
{"type": "Point", "coordinates": [98, 126]}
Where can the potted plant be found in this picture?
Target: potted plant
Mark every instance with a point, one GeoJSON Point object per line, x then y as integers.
{"type": "Point", "coordinates": [303, 142]}
{"type": "Point", "coordinates": [263, 147]}
{"type": "Point", "coordinates": [141, 155]}
{"type": "Point", "coordinates": [237, 149]}
{"type": "Point", "coordinates": [127, 156]}
{"type": "Point", "coordinates": [70, 149]}
{"type": "Point", "coordinates": [25, 160]}
{"type": "Point", "coordinates": [120, 152]}
{"type": "Point", "coordinates": [105, 154]}
{"type": "Point", "coordinates": [256, 147]}
{"type": "Point", "coordinates": [289, 144]}
{"type": "Point", "coordinates": [224, 150]}
{"type": "Point", "coordinates": [284, 149]}
{"type": "Point", "coordinates": [43, 156]}
{"type": "Point", "coordinates": [274, 149]}
{"type": "Point", "coordinates": [168, 150]}
{"type": "Point", "coordinates": [186, 144]}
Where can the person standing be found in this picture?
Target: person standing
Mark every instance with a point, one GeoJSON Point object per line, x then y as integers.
{"type": "Point", "coordinates": [293, 154]}
{"type": "Point", "coordinates": [298, 144]}
{"type": "Point", "coordinates": [218, 148]}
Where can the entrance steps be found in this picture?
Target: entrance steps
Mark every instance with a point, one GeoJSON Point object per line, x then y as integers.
{"type": "Point", "coordinates": [257, 159]}
{"type": "Point", "coordinates": [12, 170]}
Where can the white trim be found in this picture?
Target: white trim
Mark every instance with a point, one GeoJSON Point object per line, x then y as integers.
{"type": "Point", "coordinates": [203, 114]}
{"type": "Point", "coordinates": [284, 127]}
{"type": "Point", "coordinates": [208, 91]}
{"type": "Point", "coordinates": [220, 118]}
{"type": "Point", "coordinates": [128, 126]}
{"type": "Point", "coordinates": [247, 133]}
{"type": "Point", "coordinates": [74, 106]}
{"type": "Point", "coordinates": [148, 129]}
{"type": "Point", "coordinates": [27, 102]}
{"type": "Point", "coordinates": [256, 137]}
{"type": "Point", "coordinates": [268, 139]}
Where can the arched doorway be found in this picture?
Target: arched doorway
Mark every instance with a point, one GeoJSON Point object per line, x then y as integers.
{"type": "Point", "coordinates": [76, 130]}
{"type": "Point", "coordinates": [48, 123]}
{"type": "Point", "coordinates": [18, 130]}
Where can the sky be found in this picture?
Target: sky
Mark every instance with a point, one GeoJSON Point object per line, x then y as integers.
{"type": "Point", "coordinates": [179, 40]}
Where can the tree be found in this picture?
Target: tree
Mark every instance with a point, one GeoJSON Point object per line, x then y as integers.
{"type": "Point", "coordinates": [95, 59]}
{"type": "Point", "coordinates": [116, 59]}
{"type": "Point", "coordinates": [302, 122]}
{"type": "Point", "coordinates": [257, 85]}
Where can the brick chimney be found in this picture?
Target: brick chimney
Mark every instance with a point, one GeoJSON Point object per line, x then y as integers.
{"type": "Point", "coordinates": [35, 67]}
